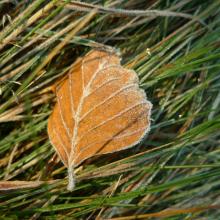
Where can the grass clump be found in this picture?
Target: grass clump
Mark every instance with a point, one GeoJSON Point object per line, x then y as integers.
{"type": "Point", "coordinates": [174, 173]}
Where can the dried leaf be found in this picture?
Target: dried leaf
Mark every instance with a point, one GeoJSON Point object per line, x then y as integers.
{"type": "Point", "coordinates": [100, 109]}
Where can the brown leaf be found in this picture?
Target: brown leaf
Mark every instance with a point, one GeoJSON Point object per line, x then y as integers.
{"type": "Point", "coordinates": [100, 109]}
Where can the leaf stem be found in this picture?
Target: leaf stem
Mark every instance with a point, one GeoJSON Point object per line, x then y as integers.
{"type": "Point", "coordinates": [71, 179]}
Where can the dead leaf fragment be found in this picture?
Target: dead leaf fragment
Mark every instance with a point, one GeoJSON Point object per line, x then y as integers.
{"type": "Point", "coordinates": [100, 109]}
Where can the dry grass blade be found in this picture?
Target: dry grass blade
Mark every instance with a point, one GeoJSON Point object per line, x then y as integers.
{"type": "Point", "coordinates": [16, 185]}
{"type": "Point", "coordinates": [168, 213]}
{"type": "Point", "coordinates": [30, 21]}
{"type": "Point", "coordinates": [82, 6]}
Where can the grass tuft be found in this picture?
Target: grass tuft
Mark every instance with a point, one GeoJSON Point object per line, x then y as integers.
{"type": "Point", "coordinates": [174, 48]}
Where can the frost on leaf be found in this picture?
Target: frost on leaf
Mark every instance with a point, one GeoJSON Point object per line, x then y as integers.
{"type": "Point", "coordinates": [100, 109]}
